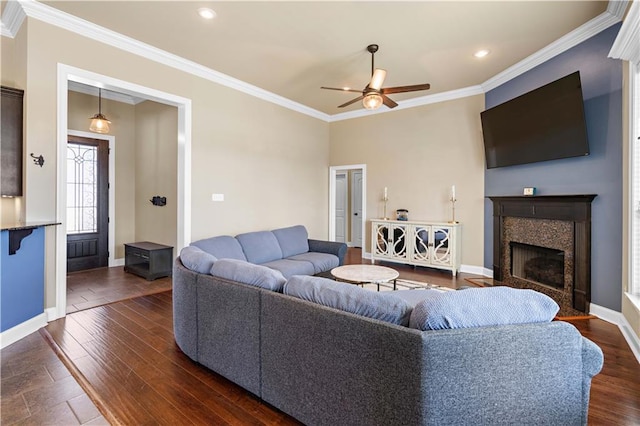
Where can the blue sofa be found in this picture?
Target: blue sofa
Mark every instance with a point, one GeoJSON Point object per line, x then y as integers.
{"type": "Point", "coordinates": [330, 353]}
{"type": "Point", "coordinates": [288, 250]}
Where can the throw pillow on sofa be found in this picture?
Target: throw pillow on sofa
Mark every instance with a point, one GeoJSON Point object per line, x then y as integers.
{"type": "Point", "coordinates": [478, 307]}
{"type": "Point", "coordinates": [350, 298]}
{"type": "Point", "coordinates": [196, 259]}
{"type": "Point", "coordinates": [248, 273]}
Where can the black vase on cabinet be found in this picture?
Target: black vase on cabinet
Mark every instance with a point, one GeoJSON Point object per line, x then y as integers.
{"type": "Point", "coordinates": [11, 155]}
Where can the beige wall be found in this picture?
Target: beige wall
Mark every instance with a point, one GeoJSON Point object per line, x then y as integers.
{"type": "Point", "coordinates": [123, 128]}
{"type": "Point", "coordinates": [156, 172]}
{"type": "Point", "coordinates": [271, 163]}
{"type": "Point", "coordinates": [418, 153]}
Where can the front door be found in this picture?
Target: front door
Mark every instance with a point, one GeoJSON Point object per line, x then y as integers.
{"type": "Point", "coordinates": [87, 203]}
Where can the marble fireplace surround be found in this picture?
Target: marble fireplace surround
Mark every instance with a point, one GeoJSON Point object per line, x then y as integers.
{"type": "Point", "coordinates": [561, 222]}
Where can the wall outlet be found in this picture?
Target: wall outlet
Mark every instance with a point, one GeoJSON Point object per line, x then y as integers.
{"type": "Point", "coordinates": [529, 191]}
{"type": "Point", "coordinates": [217, 197]}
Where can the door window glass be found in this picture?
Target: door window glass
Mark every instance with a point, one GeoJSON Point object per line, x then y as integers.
{"type": "Point", "coordinates": [82, 188]}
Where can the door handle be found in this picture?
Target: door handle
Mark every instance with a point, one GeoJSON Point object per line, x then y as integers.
{"type": "Point", "coordinates": [355, 214]}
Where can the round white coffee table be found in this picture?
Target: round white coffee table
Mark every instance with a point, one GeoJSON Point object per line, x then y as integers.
{"type": "Point", "coordinates": [365, 274]}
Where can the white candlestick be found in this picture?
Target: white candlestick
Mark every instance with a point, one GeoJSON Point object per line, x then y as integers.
{"type": "Point", "coordinates": [453, 192]}
{"type": "Point", "coordinates": [385, 192]}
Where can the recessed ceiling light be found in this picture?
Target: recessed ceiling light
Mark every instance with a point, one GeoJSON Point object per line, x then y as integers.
{"type": "Point", "coordinates": [481, 53]}
{"type": "Point", "coordinates": [206, 13]}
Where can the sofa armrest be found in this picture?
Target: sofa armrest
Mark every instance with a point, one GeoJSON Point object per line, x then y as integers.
{"type": "Point", "coordinates": [331, 247]}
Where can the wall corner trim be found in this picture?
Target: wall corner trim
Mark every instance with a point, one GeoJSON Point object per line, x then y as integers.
{"type": "Point", "coordinates": [627, 43]}
{"type": "Point", "coordinates": [12, 19]}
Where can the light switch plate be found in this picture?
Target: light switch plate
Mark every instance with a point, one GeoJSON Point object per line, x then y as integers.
{"type": "Point", "coordinates": [217, 197]}
{"type": "Point", "coordinates": [529, 191]}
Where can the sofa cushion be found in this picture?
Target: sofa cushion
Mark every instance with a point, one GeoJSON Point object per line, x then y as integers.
{"type": "Point", "coordinates": [196, 259]}
{"type": "Point", "coordinates": [260, 247]}
{"type": "Point", "coordinates": [350, 298]}
{"type": "Point", "coordinates": [289, 268]}
{"type": "Point", "coordinates": [321, 262]}
{"type": "Point", "coordinates": [248, 273]}
{"type": "Point", "coordinates": [222, 247]}
{"type": "Point", "coordinates": [293, 240]}
{"type": "Point", "coordinates": [415, 296]}
{"type": "Point", "coordinates": [478, 307]}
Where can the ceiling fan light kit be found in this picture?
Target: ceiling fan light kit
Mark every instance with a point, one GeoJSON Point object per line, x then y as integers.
{"type": "Point", "coordinates": [372, 101]}
{"type": "Point", "coordinates": [374, 95]}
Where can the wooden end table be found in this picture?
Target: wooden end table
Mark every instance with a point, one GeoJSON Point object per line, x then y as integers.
{"type": "Point", "coordinates": [148, 260]}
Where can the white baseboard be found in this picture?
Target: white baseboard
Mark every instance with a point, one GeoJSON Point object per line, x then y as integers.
{"type": "Point", "coordinates": [20, 331]}
{"type": "Point", "coordinates": [618, 319]}
{"type": "Point", "coordinates": [117, 262]}
{"type": "Point", "coordinates": [473, 269]}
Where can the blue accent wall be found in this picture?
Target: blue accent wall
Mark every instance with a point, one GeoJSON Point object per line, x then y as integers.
{"type": "Point", "coordinates": [599, 173]}
{"type": "Point", "coordinates": [21, 279]}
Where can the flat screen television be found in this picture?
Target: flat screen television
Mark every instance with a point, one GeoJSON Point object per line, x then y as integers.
{"type": "Point", "coordinates": [544, 124]}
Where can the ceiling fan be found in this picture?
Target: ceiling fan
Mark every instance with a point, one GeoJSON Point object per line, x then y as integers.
{"type": "Point", "coordinates": [374, 95]}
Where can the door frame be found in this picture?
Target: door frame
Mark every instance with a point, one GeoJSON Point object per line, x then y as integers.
{"type": "Point", "coordinates": [112, 187]}
{"type": "Point", "coordinates": [68, 73]}
{"type": "Point", "coordinates": [332, 199]}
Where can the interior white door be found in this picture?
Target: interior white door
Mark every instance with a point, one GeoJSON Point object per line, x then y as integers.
{"type": "Point", "coordinates": [356, 208]}
{"type": "Point", "coordinates": [341, 207]}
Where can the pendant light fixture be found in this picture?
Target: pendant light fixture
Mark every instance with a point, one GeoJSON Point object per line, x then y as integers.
{"type": "Point", "coordinates": [99, 123]}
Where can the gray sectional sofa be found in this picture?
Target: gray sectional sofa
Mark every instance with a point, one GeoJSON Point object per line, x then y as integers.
{"type": "Point", "coordinates": [331, 353]}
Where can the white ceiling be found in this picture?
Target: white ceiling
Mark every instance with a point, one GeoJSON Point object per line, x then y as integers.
{"type": "Point", "coordinates": [293, 48]}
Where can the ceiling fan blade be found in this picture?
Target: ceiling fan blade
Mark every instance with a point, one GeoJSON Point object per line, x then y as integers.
{"type": "Point", "coordinates": [343, 89]}
{"type": "Point", "coordinates": [388, 101]}
{"type": "Point", "coordinates": [402, 89]}
{"type": "Point", "coordinates": [359, 98]}
{"type": "Point", "coordinates": [377, 79]}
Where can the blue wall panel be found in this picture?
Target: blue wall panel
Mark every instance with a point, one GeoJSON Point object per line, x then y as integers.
{"type": "Point", "coordinates": [599, 173]}
{"type": "Point", "coordinates": [21, 279]}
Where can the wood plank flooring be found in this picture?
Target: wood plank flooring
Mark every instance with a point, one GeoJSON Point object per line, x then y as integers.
{"type": "Point", "coordinates": [95, 287]}
{"type": "Point", "coordinates": [124, 356]}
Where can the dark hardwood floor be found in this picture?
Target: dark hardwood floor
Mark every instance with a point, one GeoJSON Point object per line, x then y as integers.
{"type": "Point", "coordinates": [124, 357]}
{"type": "Point", "coordinates": [95, 287]}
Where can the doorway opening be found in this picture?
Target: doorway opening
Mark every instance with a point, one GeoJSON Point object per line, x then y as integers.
{"type": "Point", "coordinates": [68, 74]}
{"type": "Point", "coordinates": [347, 204]}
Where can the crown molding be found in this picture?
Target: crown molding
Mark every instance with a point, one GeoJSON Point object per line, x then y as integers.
{"type": "Point", "coordinates": [16, 10]}
{"type": "Point", "coordinates": [618, 7]}
{"type": "Point", "coordinates": [627, 43]}
{"type": "Point", "coordinates": [564, 43]}
{"type": "Point", "coordinates": [12, 18]}
{"type": "Point", "coordinates": [52, 16]}
{"type": "Point", "coordinates": [412, 103]}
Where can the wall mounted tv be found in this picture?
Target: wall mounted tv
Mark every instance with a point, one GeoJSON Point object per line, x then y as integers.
{"type": "Point", "coordinates": [544, 124]}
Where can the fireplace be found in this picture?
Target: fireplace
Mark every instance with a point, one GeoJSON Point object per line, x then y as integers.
{"type": "Point", "coordinates": [541, 265]}
{"type": "Point", "coordinates": [544, 243]}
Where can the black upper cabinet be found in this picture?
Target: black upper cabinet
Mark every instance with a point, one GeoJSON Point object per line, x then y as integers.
{"type": "Point", "coordinates": [11, 156]}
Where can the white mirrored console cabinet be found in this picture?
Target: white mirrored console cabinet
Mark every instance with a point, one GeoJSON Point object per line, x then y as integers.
{"type": "Point", "coordinates": [430, 244]}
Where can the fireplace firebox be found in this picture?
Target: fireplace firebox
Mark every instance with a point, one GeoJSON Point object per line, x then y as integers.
{"type": "Point", "coordinates": [541, 265]}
